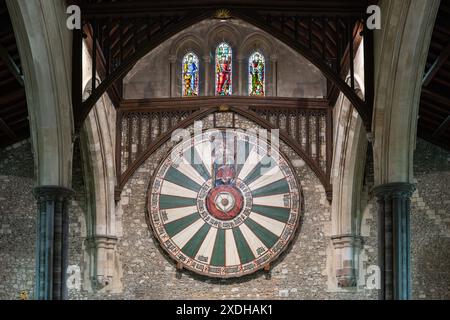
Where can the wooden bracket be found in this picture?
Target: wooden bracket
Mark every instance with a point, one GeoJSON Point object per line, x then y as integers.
{"type": "Point", "coordinates": [267, 269]}
{"type": "Point", "coordinates": [224, 108]}
{"type": "Point", "coordinates": [117, 194]}
{"type": "Point", "coordinates": [180, 269]}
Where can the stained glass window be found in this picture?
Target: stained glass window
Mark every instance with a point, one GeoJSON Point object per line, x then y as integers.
{"type": "Point", "coordinates": [224, 67]}
{"type": "Point", "coordinates": [256, 75]}
{"type": "Point", "coordinates": [190, 75]}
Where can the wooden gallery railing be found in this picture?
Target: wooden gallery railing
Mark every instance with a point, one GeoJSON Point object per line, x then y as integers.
{"type": "Point", "coordinates": [143, 126]}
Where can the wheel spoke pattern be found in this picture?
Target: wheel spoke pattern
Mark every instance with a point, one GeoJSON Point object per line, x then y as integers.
{"type": "Point", "coordinates": [224, 213]}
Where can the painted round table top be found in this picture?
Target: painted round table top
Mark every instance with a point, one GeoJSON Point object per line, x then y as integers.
{"type": "Point", "coordinates": [223, 204]}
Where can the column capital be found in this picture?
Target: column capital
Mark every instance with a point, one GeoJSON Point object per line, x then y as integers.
{"type": "Point", "coordinates": [206, 58]}
{"type": "Point", "coordinates": [102, 249]}
{"type": "Point", "coordinates": [391, 190]}
{"type": "Point", "coordinates": [52, 193]}
{"type": "Point", "coordinates": [345, 247]}
{"type": "Point", "coordinates": [346, 240]}
{"type": "Point", "coordinates": [102, 241]}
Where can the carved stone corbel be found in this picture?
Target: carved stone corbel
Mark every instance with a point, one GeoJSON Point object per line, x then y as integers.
{"type": "Point", "coordinates": [102, 251]}
{"type": "Point", "coordinates": [346, 248]}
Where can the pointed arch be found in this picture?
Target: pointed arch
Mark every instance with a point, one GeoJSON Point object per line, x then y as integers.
{"type": "Point", "coordinates": [224, 69]}
{"type": "Point", "coordinates": [190, 75]}
{"type": "Point", "coordinates": [400, 59]}
{"type": "Point", "coordinates": [47, 86]}
{"type": "Point", "coordinates": [257, 75]}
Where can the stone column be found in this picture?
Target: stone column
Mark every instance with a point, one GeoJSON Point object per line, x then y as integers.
{"type": "Point", "coordinates": [208, 84]}
{"type": "Point", "coordinates": [394, 239]}
{"type": "Point", "coordinates": [173, 75]}
{"type": "Point", "coordinates": [240, 76]}
{"type": "Point", "coordinates": [346, 247]}
{"type": "Point", "coordinates": [52, 242]}
{"type": "Point", "coordinates": [274, 67]}
{"type": "Point", "coordinates": [102, 254]}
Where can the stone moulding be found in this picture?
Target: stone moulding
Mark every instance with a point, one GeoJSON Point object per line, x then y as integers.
{"type": "Point", "coordinates": [102, 250]}
{"type": "Point", "coordinates": [346, 246]}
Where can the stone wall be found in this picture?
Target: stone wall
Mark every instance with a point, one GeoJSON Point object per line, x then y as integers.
{"type": "Point", "coordinates": [17, 221]}
{"type": "Point", "coordinates": [430, 223]}
{"type": "Point", "coordinates": [302, 273]}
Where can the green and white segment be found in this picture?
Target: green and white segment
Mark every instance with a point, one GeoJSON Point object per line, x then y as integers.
{"type": "Point", "coordinates": [215, 250]}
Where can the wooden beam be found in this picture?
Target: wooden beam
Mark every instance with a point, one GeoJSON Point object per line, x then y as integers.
{"type": "Point", "coordinates": [127, 65]}
{"type": "Point", "coordinates": [6, 129]}
{"type": "Point", "coordinates": [11, 64]}
{"type": "Point", "coordinates": [442, 128]}
{"type": "Point", "coordinates": [11, 107]}
{"type": "Point", "coordinates": [146, 105]}
{"type": "Point", "coordinates": [77, 73]}
{"type": "Point", "coordinates": [305, 8]}
{"type": "Point", "coordinates": [21, 113]}
{"type": "Point", "coordinates": [23, 134]}
{"type": "Point", "coordinates": [102, 68]}
{"type": "Point", "coordinates": [5, 25]}
{"type": "Point", "coordinates": [344, 62]}
{"type": "Point", "coordinates": [438, 142]}
{"type": "Point", "coordinates": [363, 109]}
{"type": "Point", "coordinates": [436, 97]}
{"type": "Point", "coordinates": [189, 17]}
{"type": "Point", "coordinates": [7, 81]}
{"type": "Point", "coordinates": [436, 66]}
{"type": "Point", "coordinates": [12, 97]}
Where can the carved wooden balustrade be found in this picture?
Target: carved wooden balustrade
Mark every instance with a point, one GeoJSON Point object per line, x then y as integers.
{"type": "Point", "coordinates": [143, 126]}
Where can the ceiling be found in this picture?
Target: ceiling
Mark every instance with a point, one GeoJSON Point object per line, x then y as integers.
{"type": "Point", "coordinates": [434, 114]}
{"type": "Point", "coordinates": [139, 6]}
{"type": "Point", "coordinates": [13, 105]}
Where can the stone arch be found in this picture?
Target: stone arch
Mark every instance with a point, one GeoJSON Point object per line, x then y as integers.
{"type": "Point", "coordinates": [180, 47]}
{"type": "Point", "coordinates": [258, 42]}
{"type": "Point", "coordinates": [98, 137]}
{"type": "Point", "coordinates": [401, 49]}
{"type": "Point", "coordinates": [47, 86]}
{"type": "Point", "coordinates": [97, 141]}
{"type": "Point", "coordinates": [44, 44]}
{"type": "Point", "coordinates": [229, 35]}
{"type": "Point", "coordinates": [186, 43]}
{"type": "Point", "coordinates": [347, 175]}
{"type": "Point", "coordinates": [223, 33]}
{"type": "Point", "coordinates": [347, 142]}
